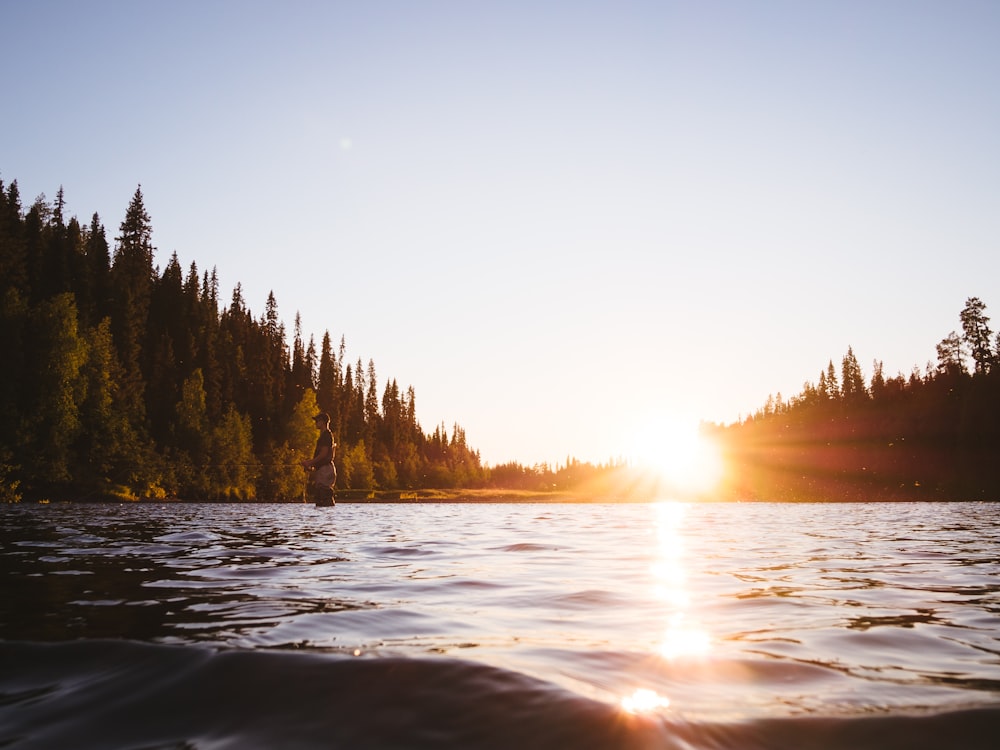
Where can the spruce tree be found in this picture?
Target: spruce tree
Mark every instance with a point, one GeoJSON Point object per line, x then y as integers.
{"type": "Point", "coordinates": [132, 277]}
{"type": "Point", "coordinates": [328, 386]}
{"type": "Point", "coordinates": [109, 450]}
{"type": "Point", "coordinates": [94, 297]}
{"type": "Point", "coordinates": [852, 379]}
{"type": "Point", "coordinates": [50, 415]}
{"type": "Point", "coordinates": [978, 336]}
{"type": "Point", "coordinates": [13, 258]}
{"type": "Point", "coordinates": [951, 354]}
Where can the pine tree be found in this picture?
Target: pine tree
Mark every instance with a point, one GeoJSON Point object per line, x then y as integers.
{"type": "Point", "coordinates": [354, 394]}
{"type": "Point", "coordinates": [206, 322]}
{"type": "Point", "coordinates": [108, 448]}
{"type": "Point", "coordinates": [311, 363]}
{"type": "Point", "coordinates": [50, 417]}
{"type": "Point", "coordinates": [132, 277]}
{"type": "Point", "coordinates": [13, 253]}
{"type": "Point", "coordinates": [301, 377]}
{"type": "Point", "coordinates": [878, 379]}
{"type": "Point", "coordinates": [35, 228]}
{"type": "Point", "coordinates": [274, 398]}
{"type": "Point", "coordinates": [328, 385]}
{"type": "Point", "coordinates": [94, 289]}
{"type": "Point", "coordinates": [978, 336]}
{"type": "Point", "coordinates": [372, 415]}
{"type": "Point", "coordinates": [951, 354]}
{"type": "Point", "coordinates": [168, 334]}
{"type": "Point", "coordinates": [853, 381]}
{"type": "Point", "coordinates": [58, 266]}
{"type": "Point", "coordinates": [832, 387]}
{"type": "Point", "coordinates": [236, 384]}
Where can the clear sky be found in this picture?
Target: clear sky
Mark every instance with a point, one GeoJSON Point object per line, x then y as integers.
{"type": "Point", "coordinates": [565, 224]}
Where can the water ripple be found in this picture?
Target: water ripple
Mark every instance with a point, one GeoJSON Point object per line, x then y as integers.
{"type": "Point", "coordinates": [725, 610]}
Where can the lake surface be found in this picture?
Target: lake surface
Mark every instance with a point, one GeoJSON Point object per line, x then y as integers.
{"type": "Point", "coordinates": [500, 625]}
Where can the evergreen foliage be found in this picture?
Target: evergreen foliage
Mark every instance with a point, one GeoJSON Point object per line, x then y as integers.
{"type": "Point", "coordinates": [125, 381]}
{"type": "Point", "coordinates": [932, 435]}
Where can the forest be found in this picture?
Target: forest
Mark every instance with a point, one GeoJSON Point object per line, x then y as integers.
{"type": "Point", "coordinates": [122, 380]}
{"type": "Point", "coordinates": [125, 381]}
{"type": "Point", "coordinates": [929, 435]}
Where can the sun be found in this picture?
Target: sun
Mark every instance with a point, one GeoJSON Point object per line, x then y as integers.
{"type": "Point", "coordinates": [679, 454]}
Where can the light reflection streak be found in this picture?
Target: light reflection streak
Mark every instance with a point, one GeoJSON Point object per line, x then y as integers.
{"type": "Point", "coordinates": [644, 700]}
{"type": "Point", "coordinates": [681, 638]}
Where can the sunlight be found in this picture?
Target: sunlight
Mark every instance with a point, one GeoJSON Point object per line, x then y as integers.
{"type": "Point", "coordinates": [680, 639]}
{"type": "Point", "coordinates": [644, 700]}
{"type": "Point", "coordinates": [679, 455]}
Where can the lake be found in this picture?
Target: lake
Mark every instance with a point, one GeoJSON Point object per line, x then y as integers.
{"type": "Point", "coordinates": [662, 625]}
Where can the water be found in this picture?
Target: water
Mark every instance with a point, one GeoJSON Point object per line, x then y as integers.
{"type": "Point", "coordinates": [489, 625]}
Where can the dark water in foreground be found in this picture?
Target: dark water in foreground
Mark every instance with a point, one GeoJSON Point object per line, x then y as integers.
{"type": "Point", "coordinates": [496, 626]}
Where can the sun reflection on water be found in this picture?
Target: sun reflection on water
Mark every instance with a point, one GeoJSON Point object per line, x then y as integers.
{"type": "Point", "coordinates": [681, 638]}
{"type": "Point", "coordinates": [644, 700]}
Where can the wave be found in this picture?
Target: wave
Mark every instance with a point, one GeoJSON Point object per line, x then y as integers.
{"type": "Point", "coordinates": [124, 694]}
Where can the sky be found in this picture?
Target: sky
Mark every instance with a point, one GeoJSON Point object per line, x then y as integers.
{"type": "Point", "coordinates": [568, 225]}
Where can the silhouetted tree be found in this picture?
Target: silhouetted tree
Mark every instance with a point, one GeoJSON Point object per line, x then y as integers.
{"type": "Point", "coordinates": [975, 324]}
{"type": "Point", "coordinates": [951, 354]}
{"type": "Point", "coordinates": [852, 379]}
{"type": "Point", "coordinates": [132, 277]}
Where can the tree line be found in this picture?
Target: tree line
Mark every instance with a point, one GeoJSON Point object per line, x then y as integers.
{"type": "Point", "coordinates": [125, 380]}
{"type": "Point", "coordinates": [931, 434]}
{"type": "Point", "coordinates": [122, 380]}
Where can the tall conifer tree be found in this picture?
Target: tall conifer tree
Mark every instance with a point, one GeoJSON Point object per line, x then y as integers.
{"type": "Point", "coordinates": [978, 336]}
{"type": "Point", "coordinates": [132, 277]}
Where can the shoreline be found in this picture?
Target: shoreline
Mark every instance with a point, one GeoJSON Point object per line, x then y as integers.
{"type": "Point", "coordinates": [501, 496]}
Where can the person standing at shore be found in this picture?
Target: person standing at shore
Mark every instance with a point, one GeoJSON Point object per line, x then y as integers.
{"type": "Point", "coordinates": [323, 478]}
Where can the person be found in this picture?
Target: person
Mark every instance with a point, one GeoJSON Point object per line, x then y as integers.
{"type": "Point", "coordinates": [324, 473]}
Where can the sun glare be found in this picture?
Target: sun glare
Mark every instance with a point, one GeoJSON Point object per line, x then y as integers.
{"type": "Point", "coordinates": [679, 455]}
{"type": "Point", "coordinates": [681, 639]}
{"type": "Point", "coordinates": [644, 701]}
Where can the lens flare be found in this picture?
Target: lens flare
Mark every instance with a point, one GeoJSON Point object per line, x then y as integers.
{"type": "Point", "coordinates": [644, 701]}
{"type": "Point", "coordinates": [680, 640]}
{"type": "Point", "coordinates": [681, 456]}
